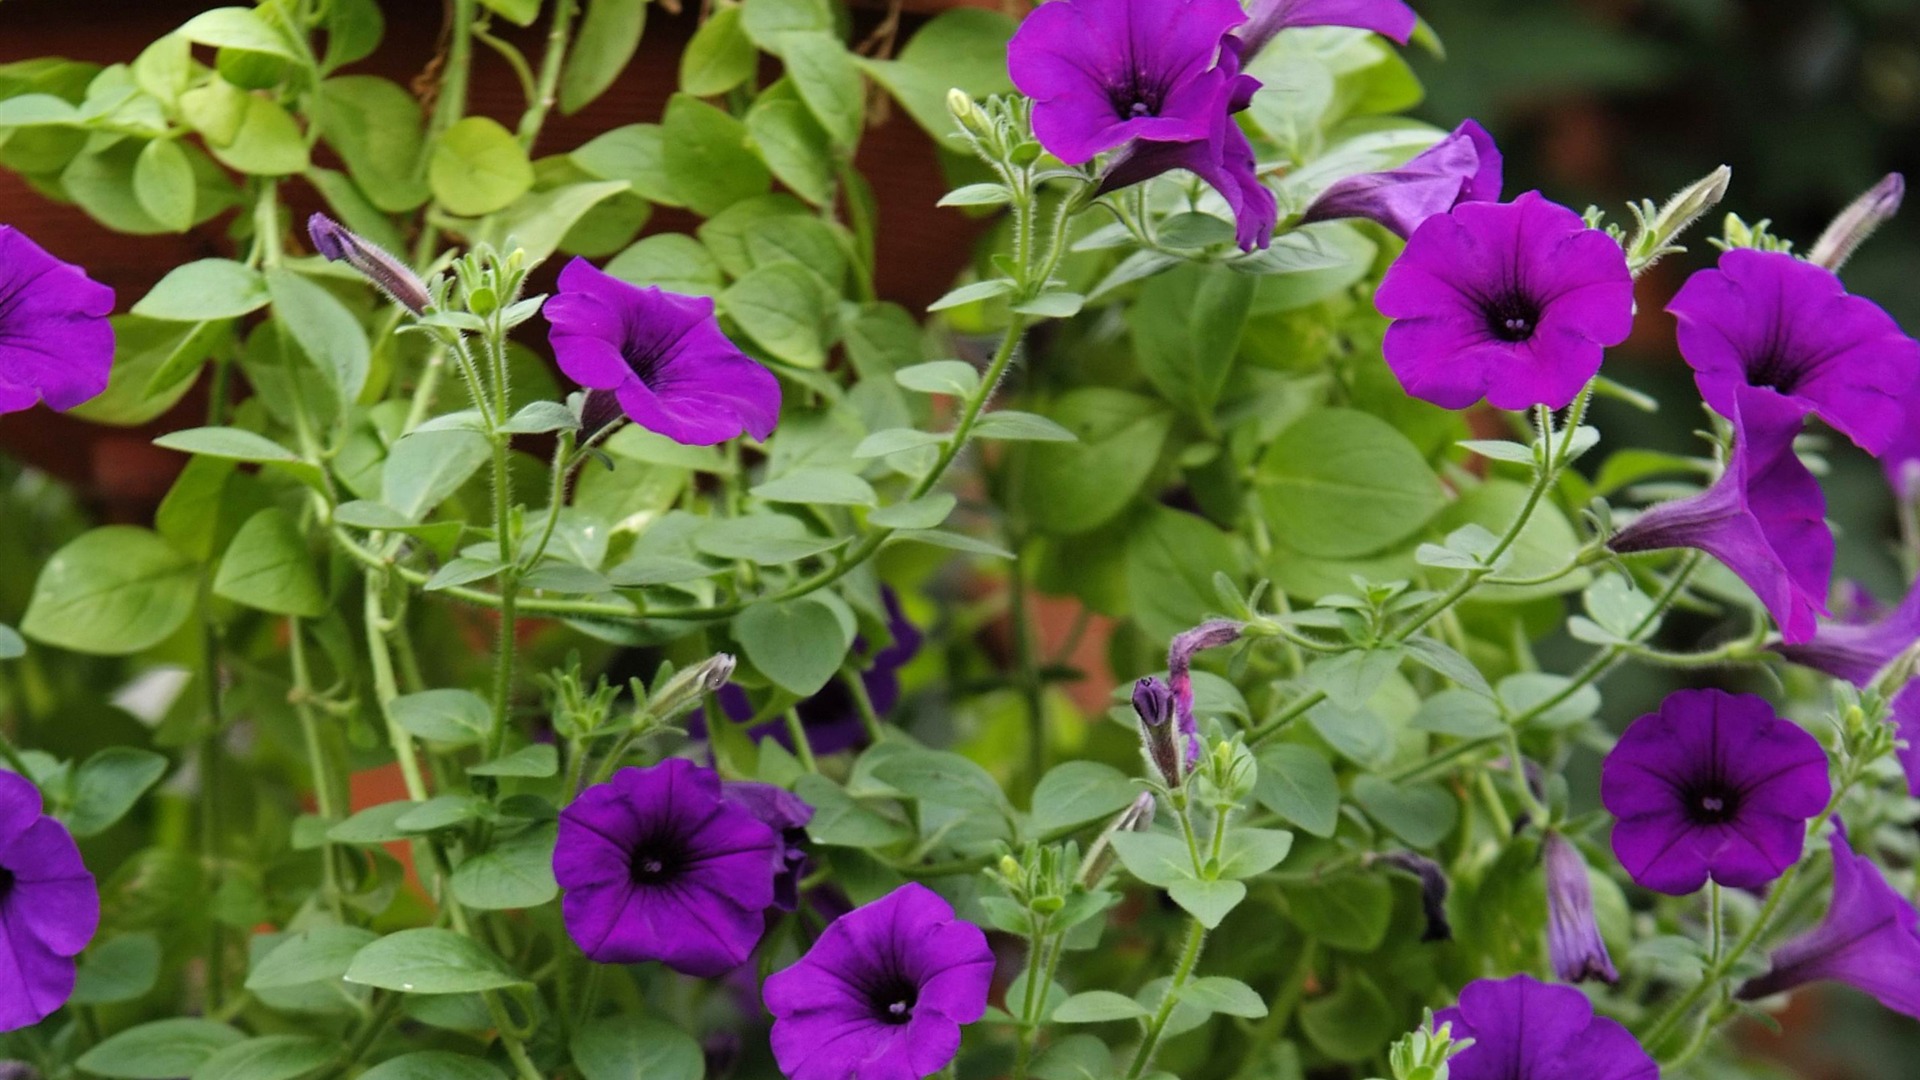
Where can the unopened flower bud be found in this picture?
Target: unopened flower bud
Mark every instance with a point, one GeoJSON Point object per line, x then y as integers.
{"type": "Point", "coordinates": [1153, 702]}
{"type": "Point", "coordinates": [968, 114]}
{"type": "Point", "coordinates": [388, 274]}
{"type": "Point", "coordinates": [1857, 222]}
{"type": "Point", "coordinates": [687, 686]}
{"type": "Point", "coordinates": [1573, 936]}
{"type": "Point", "coordinates": [1137, 817]}
{"type": "Point", "coordinates": [1433, 891]}
{"type": "Point", "coordinates": [1208, 635]}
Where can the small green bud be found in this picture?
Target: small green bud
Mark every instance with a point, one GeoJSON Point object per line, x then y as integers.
{"type": "Point", "coordinates": [1010, 868]}
{"type": "Point", "coordinates": [968, 114]}
{"type": "Point", "coordinates": [1025, 154]}
{"type": "Point", "coordinates": [1048, 905]}
{"type": "Point", "coordinates": [482, 301]}
{"type": "Point", "coordinates": [684, 690]}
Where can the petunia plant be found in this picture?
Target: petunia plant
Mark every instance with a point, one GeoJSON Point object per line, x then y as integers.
{"type": "Point", "coordinates": [598, 628]}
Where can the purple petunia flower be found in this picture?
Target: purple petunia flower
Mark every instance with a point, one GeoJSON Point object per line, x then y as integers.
{"type": "Point", "coordinates": [657, 865]}
{"type": "Point", "coordinates": [1524, 1029]}
{"type": "Point", "coordinates": [1463, 167]}
{"type": "Point", "coordinates": [883, 993]}
{"type": "Point", "coordinates": [1154, 704]}
{"type": "Point", "coordinates": [1767, 319]}
{"type": "Point", "coordinates": [1765, 518]}
{"type": "Point", "coordinates": [786, 814]}
{"type": "Point", "coordinates": [1869, 940]}
{"type": "Point", "coordinates": [1388, 18]}
{"type": "Point", "coordinates": [1901, 459]}
{"type": "Point", "coordinates": [396, 279]}
{"type": "Point", "coordinates": [1573, 935]}
{"type": "Point", "coordinates": [49, 908]}
{"type": "Point", "coordinates": [1223, 158]}
{"type": "Point", "coordinates": [1208, 635]}
{"type": "Point", "coordinates": [1514, 302]}
{"type": "Point", "coordinates": [1904, 711]}
{"type": "Point", "coordinates": [1857, 650]}
{"type": "Point", "coordinates": [56, 344]}
{"type": "Point", "coordinates": [1714, 785]}
{"type": "Point", "coordinates": [662, 355]}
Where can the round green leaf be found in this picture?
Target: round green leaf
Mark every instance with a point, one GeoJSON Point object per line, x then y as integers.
{"type": "Point", "coordinates": [112, 591]}
{"type": "Point", "coordinates": [1340, 483]}
{"type": "Point", "coordinates": [478, 167]}
{"type": "Point", "coordinates": [161, 1050]}
{"type": "Point", "coordinates": [799, 644]}
{"type": "Point", "coordinates": [268, 566]}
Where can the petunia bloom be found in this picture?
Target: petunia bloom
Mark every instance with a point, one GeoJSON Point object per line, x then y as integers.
{"type": "Point", "coordinates": [1904, 711]}
{"type": "Point", "coordinates": [1208, 635]}
{"type": "Point", "coordinates": [1388, 18]}
{"type": "Point", "coordinates": [49, 908]}
{"type": "Point", "coordinates": [657, 865]}
{"type": "Point", "coordinates": [1463, 167]}
{"type": "Point", "coordinates": [1901, 459]}
{"type": "Point", "coordinates": [1512, 302]}
{"type": "Point", "coordinates": [883, 993]}
{"type": "Point", "coordinates": [1154, 704]}
{"type": "Point", "coordinates": [56, 344]}
{"type": "Point", "coordinates": [1767, 319]}
{"type": "Point", "coordinates": [1857, 651]}
{"type": "Point", "coordinates": [663, 357]}
{"type": "Point", "coordinates": [1103, 72]}
{"type": "Point", "coordinates": [1870, 940]}
{"type": "Point", "coordinates": [1714, 785]}
{"type": "Point", "coordinates": [1573, 934]}
{"type": "Point", "coordinates": [786, 814]}
{"type": "Point", "coordinates": [1524, 1029]}
{"type": "Point", "coordinates": [1765, 518]}
{"type": "Point", "coordinates": [1223, 158]}
{"type": "Point", "coordinates": [391, 276]}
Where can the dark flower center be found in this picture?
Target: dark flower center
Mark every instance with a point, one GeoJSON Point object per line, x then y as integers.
{"type": "Point", "coordinates": [1712, 805]}
{"type": "Point", "coordinates": [893, 998]}
{"type": "Point", "coordinates": [657, 859]}
{"type": "Point", "coordinates": [6, 882]}
{"type": "Point", "coordinates": [1138, 95]}
{"type": "Point", "coordinates": [1512, 317]}
{"type": "Point", "coordinates": [1777, 370]}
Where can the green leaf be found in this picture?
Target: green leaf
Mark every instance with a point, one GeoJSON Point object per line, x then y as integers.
{"type": "Point", "coordinates": [840, 820]}
{"type": "Point", "coordinates": [783, 308]}
{"type": "Point", "coordinates": [377, 127]}
{"type": "Point", "coordinates": [237, 28]}
{"type": "Point", "coordinates": [109, 784]}
{"type": "Point", "coordinates": [766, 539]}
{"type": "Point", "coordinates": [1207, 901]}
{"type": "Point", "coordinates": [235, 444]}
{"type": "Point", "coordinates": [962, 49]}
{"type": "Point", "coordinates": [427, 467]}
{"type": "Point", "coordinates": [478, 167]}
{"type": "Point", "coordinates": [973, 292]}
{"type": "Point", "coordinates": [635, 153]}
{"type": "Point", "coordinates": [1171, 559]}
{"type": "Point", "coordinates": [204, 290]}
{"type": "Point", "coordinates": [1526, 691]}
{"type": "Point", "coordinates": [1186, 328]}
{"type": "Point", "coordinates": [1073, 488]}
{"type": "Point", "coordinates": [1011, 425]}
{"type": "Point", "coordinates": [1351, 678]}
{"type": "Point", "coordinates": [1217, 993]}
{"type": "Point", "coordinates": [1462, 713]}
{"type": "Point", "coordinates": [894, 441]}
{"type": "Point", "coordinates": [270, 1057]}
{"type": "Point", "coordinates": [794, 146]}
{"type": "Point", "coordinates": [1098, 1007]}
{"type": "Point", "coordinates": [768, 21]}
{"type": "Point", "coordinates": [1250, 851]}
{"type": "Point", "coordinates": [268, 566]}
{"type": "Point", "coordinates": [954, 378]}
{"type": "Point", "coordinates": [535, 761]}
{"type": "Point", "coordinates": [320, 955]}
{"type": "Point", "coordinates": [433, 1065]}
{"type": "Point", "coordinates": [636, 1048]}
{"type": "Point", "coordinates": [12, 645]}
{"type": "Point", "coordinates": [675, 262]}
{"type": "Point", "coordinates": [608, 38]}
{"type": "Point", "coordinates": [540, 221]}
{"type": "Point", "coordinates": [1542, 547]}
{"type": "Point", "coordinates": [816, 487]}
{"type": "Point", "coordinates": [719, 57]}
{"type": "Point", "coordinates": [431, 961]}
{"type": "Point", "coordinates": [515, 873]}
{"type": "Point", "coordinates": [374, 825]}
{"type": "Point", "coordinates": [828, 81]}
{"type": "Point", "coordinates": [1155, 858]}
{"type": "Point", "coordinates": [450, 717]}
{"type": "Point", "coordinates": [267, 143]}
{"type": "Point", "coordinates": [161, 1050]}
{"type": "Point", "coordinates": [705, 156]}
{"type": "Point", "coordinates": [1297, 783]}
{"type": "Point", "coordinates": [324, 329]}
{"type": "Point", "coordinates": [925, 512]}
{"type": "Point", "coordinates": [1077, 793]}
{"type": "Point", "coordinates": [1339, 483]}
{"type": "Point", "coordinates": [112, 591]}
{"type": "Point", "coordinates": [1349, 913]}
{"type": "Point", "coordinates": [518, 12]}
{"type": "Point", "coordinates": [1353, 1022]}
{"type": "Point", "coordinates": [799, 644]}
{"type": "Point", "coordinates": [994, 194]}
{"type": "Point", "coordinates": [163, 182]}
{"type": "Point", "coordinates": [119, 969]}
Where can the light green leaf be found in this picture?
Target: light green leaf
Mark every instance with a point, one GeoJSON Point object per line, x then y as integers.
{"type": "Point", "coordinates": [636, 1048]}
{"type": "Point", "coordinates": [535, 761]}
{"type": "Point", "coordinates": [1186, 328]}
{"type": "Point", "coordinates": [1207, 901]}
{"type": "Point", "coordinates": [160, 1050]}
{"type": "Point", "coordinates": [450, 717]}
{"type": "Point", "coordinates": [1339, 483]}
{"type": "Point", "coordinates": [799, 644]}
{"type": "Point", "coordinates": [1078, 793]}
{"type": "Point", "coordinates": [515, 873]}
{"type": "Point", "coordinates": [608, 38]}
{"type": "Point", "coordinates": [794, 146]}
{"type": "Point", "coordinates": [320, 955]}
{"type": "Point", "coordinates": [204, 290]}
{"type": "Point", "coordinates": [816, 486]}
{"type": "Point", "coordinates": [1016, 426]}
{"type": "Point", "coordinates": [268, 566]}
{"type": "Point", "coordinates": [1297, 783]}
{"type": "Point", "coordinates": [719, 57]}
{"type": "Point", "coordinates": [426, 467]}
{"type": "Point", "coordinates": [635, 153]}
{"type": "Point", "coordinates": [1217, 993]}
{"type": "Point", "coordinates": [237, 28]}
{"type": "Point", "coordinates": [1097, 1007]}
{"type": "Point", "coordinates": [324, 329]}
{"type": "Point", "coordinates": [1250, 851]}
{"type": "Point", "coordinates": [828, 81]}
{"type": "Point", "coordinates": [1155, 858]}
{"type": "Point", "coordinates": [112, 591]}
{"type": "Point", "coordinates": [925, 512]}
{"type": "Point", "coordinates": [675, 262]}
{"type": "Point", "coordinates": [270, 1057]}
{"type": "Point", "coordinates": [706, 159]}
{"type": "Point", "coordinates": [431, 961]}
{"type": "Point", "coordinates": [962, 48]}
{"type": "Point", "coordinates": [377, 127]}
{"type": "Point", "coordinates": [119, 969]}
{"type": "Point", "coordinates": [163, 182]}
{"type": "Point", "coordinates": [433, 1065]}
{"type": "Point", "coordinates": [108, 785]}
{"type": "Point", "coordinates": [478, 167]}
{"type": "Point", "coordinates": [267, 143]}
{"type": "Point", "coordinates": [1072, 488]}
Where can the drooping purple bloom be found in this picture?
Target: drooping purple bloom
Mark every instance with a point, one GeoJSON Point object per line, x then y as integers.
{"type": "Point", "coordinates": [1434, 887]}
{"type": "Point", "coordinates": [1388, 18]}
{"type": "Point", "coordinates": [1573, 934]}
{"type": "Point", "coordinates": [657, 865]}
{"type": "Point", "coordinates": [396, 279]}
{"type": "Point", "coordinates": [1764, 518]}
{"type": "Point", "coordinates": [1714, 785]}
{"type": "Point", "coordinates": [1767, 319]}
{"type": "Point", "coordinates": [1463, 167]}
{"type": "Point", "coordinates": [1870, 940]}
{"type": "Point", "coordinates": [1224, 159]}
{"type": "Point", "coordinates": [1514, 302]}
{"type": "Point", "coordinates": [49, 908]}
{"type": "Point", "coordinates": [1154, 704]}
{"type": "Point", "coordinates": [1904, 711]}
{"type": "Point", "coordinates": [1857, 651]}
{"type": "Point", "coordinates": [1208, 635]}
{"type": "Point", "coordinates": [1524, 1029]}
{"type": "Point", "coordinates": [56, 345]}
{"type": "Point", "coordinates": [1901, 459]}
{"type": "Point", "coordinates": [662, 355]}
{"type": "Point", "coordinates": [883, 993]}
{"type": "Point", "coordinates": [786, 814]}
{"type": "Point", "coordinates": [1104, 72]}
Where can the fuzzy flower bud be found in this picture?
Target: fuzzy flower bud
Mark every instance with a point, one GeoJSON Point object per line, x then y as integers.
{"type": "Point", "coordinates": [1153, 702]}
{"type": "Point", "coordinates": [1874, 208]}
{"type": "Point", "coordinates": [687, 686]}
{"type": "Point", "coordinates": [968, 114]}
{"type": "Point", "coordinates": [388, 274]}
{"type": "Point", "coordinates": [1573, 937]}
{"type": "Point", "coordinates": [1137, 817]}
{"type": "Point", "coordinates": [1434, 887]}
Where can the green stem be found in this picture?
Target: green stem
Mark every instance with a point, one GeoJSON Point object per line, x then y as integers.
{"type": "Point", "coordinates": [452, 101]}
{"type": "Point", "coordinates": [324, 794]}
{"type": "Point", "coordinates": [386, 688]}
{"type": "Point", "coordinates": [541, 101]}
{"type": "Point", "coordinates": [863, 704]}
{"type": "Point", "coordinates": [802, 746]}
{"type": "Point", "coordinates": [1189, 958]}
{"type": "Point", "coordinates": [1026, 671]}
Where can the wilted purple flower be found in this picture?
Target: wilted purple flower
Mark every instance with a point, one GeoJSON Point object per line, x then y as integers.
{"type": "Point", "coordinates": [1223, 158]}
{"type": "Point", "coordinates": [1154, 704]}
{"type": "Point", "coordinates": [1463, 167]}
{"type": "Point", "coordinates": [1524, 1029]}
{"type": "Point", "coordinates": [786, 814]}
{"type": "Point", "coordinates": [1434, 887]}
{"type": "Point", "coordinates": [1714, 785]}
{"type": "Point", "coordinates": [1857, 651]}
{"type": "Point", "coordinates": [1103, 72]}
{"type": "Point", "coordinates": [662, 355]}
{"type": "Point", "coordinates": [1514, 302]}
{"type": "Point", "coordinates": [56, 345]}
{"type": "Point", "coordinates": [1765, 518]}
{"type": "Point", "coordinates": [883, 993]}
{"type": "Point", "coordinates": [657, 865]}
{"type": "Point", "coordinates": [1208, 635]}
{"type": "Point", "coordinates": [1862, 217]}
{"type": "Point", "coordinates": [1388, 18]}
{"type": "Point", "coordinates": [1869, 940]}
{"type": "Point", "coordinates": [388, 274]}
{"type": "Point", "coordinates": [1904, 711]}
{"type": "Point", "coordinates": [1767, 319]}
{"type": "Point", "coordinates": [1901, 459]}
{"type": "Point", "coordinates": [48, 906]}
{"type": "Point", "coordinates": [1573, 936]}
